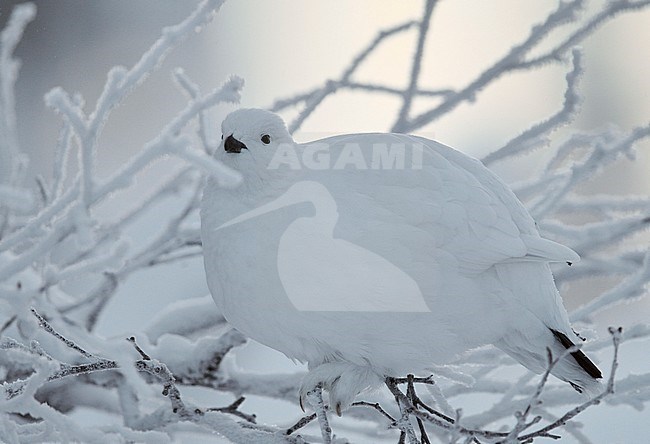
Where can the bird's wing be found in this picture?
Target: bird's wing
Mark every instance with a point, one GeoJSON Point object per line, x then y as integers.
{"type": "Point", "coordinates": [450, 202]}
{"type": "Point", "coordinates": [513, 219]}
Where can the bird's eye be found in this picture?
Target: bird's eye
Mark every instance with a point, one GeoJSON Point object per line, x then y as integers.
{"type": "Point", "coordinates": [266, 139]}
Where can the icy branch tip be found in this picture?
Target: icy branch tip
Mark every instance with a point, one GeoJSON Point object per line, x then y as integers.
{"type": "Point", "coordinates": [56, 97]}
{"type": "Point", "coordinates": [41, 319]}
{"type": "Point", "coordinates": [232, 89]}
{"type": "Point", "coordinates": [616, 332]}
{"type": "Point", "coordinates": [26, 11]}
{"type": "Point", "coordinates": [20, 16]}
{"type": "Point", "coordinates": [144, 356]}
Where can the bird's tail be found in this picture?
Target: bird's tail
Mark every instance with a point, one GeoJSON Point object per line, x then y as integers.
{"type": "Point", "coordinates": [575, 367]}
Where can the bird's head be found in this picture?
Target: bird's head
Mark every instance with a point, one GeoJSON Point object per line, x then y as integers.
{"type": "Point", "coordinates": [257, 131]}
{"type": "Point", "coordinates": [250, 140]}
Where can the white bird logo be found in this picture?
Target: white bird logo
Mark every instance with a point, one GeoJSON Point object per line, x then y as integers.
{"type": "Point", "coordinates": [322, 273]}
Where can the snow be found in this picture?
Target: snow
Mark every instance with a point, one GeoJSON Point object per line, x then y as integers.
{"type": "Point", "coordinates": [99, 199]}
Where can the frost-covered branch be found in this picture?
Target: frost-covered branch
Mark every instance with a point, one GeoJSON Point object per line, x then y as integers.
{"type": "Point", "coordinates": [62, 239]}
{"type": "Point", "coordinates": [314, 98]}
{"type": "Point", "coordinates": [515, 59]}
{"type": "Point", "coordinates": [531, 137]}
{"type": "Point", "coordinates": [52, 239]}
{"type": "Point", "coordinates": [409, 94]}
{"type": "Point", "coordinates": [411, 405]}
{"type": "Point", "coordinates": [179, 409]}
{"type": "Point", "coordinates": [11, 158]}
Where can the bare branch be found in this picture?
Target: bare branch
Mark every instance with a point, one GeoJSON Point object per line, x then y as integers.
{"type": "Point", "coordinates": [531, 137]}
{"type": "Point", "coordinates": [407, 97]}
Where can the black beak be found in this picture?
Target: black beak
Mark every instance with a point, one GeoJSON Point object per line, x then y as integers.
{"type": "Point", "coordinates": [232, 145]}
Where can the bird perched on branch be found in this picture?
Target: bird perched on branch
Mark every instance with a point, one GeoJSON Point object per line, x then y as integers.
{"type": "Point", "coordinates": [376, 255]}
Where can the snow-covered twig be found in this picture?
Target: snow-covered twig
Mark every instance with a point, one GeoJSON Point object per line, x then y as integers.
{"type": "Point", "coordinates": [65, 370]}
{"type": "Point", "coordinates": [564, 13]}
{"type": "Point", "coordinates": [411, 90]}
{"type": "Point", "coordinates": [531, 137]}
{"type": "Point", "coordinates": [314, 98]}
{"type": "Point", "coordinates": [10, 154]}
{"type": "Point", "coordinates": [409, 404]}
{"type": "Point", "coordinates": [315, 399]}
{"type": "Point", "coordinates": [192, 89]}
{"type": "Point", "coordinates": [51, 237]}
{"type": "Point", "coordinates": [154, 367]}
{"type": "Point", "coordinates": [616, 340]}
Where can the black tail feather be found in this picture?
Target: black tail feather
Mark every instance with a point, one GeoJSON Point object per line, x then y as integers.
{"type": "Point", "coordinates": [582, 359]}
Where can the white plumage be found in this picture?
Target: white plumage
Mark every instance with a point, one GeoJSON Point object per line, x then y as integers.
{"type": "Point", "coordinates": [366, 265]}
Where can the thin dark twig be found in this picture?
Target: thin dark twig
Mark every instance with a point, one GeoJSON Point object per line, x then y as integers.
{"type": "Point", "coordinates": [145, 356]}
{"type": "Point", "coordinates": [423, 433]}
{"type": "Point", "coordinates": [300, 424]}
{"type": "Point", "coordinates": [405, 408]}
{"type": "Point", "coordinates": [410, 393]}
{"type": "Point", "coordinates": [82, 369]}
{"type": "Point", "coordinates": [414, 379]}
{"type": "Point", "coordinates": [7, 324]}
{"type": "Point", "coordinates": [233, 410]}
{"type": "Point", "coordinates": [376, 406]}
{"type": "Point", "coordinates": [161, 372]}
{"type": "Point", "coordinates": [99, 364]}
{"type": "Point", "coordinates": [534, 401]}
{"type": "Point", "coordinates": [415, 67]}
{"type": "Point", "coordinates": [417, 402]}
{"type": "Point", "coordinates": [415, 399]}
{"type": "Point", "coordinates": [410, 409]}
{"type": "Point", "coordinates": [48, 328]}
{"type": "Point", "coordinates": [616, 340]}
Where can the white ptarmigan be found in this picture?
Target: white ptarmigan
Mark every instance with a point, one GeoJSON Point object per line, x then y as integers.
{"type": "Point", "coordinates": [375, 255]}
